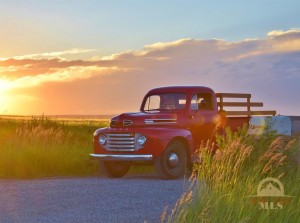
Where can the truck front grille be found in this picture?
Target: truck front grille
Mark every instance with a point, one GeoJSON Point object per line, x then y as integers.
{"type": "Point", "coordinates": [120, 142]}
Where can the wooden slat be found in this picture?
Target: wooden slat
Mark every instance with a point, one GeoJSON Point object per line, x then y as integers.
{"type": "Point", "coordinates": [237, 113]}
{"type": "Point", "coordinates": [241, 104]}
{"type": "Point", "coordinates": [271, 112]}
{"type": "Point", "coordinates": [233, 95]}
{"type": "Point", "coordinates": [248, 105]}
{"type": "Point", "coordinates": [247, 113]}
{"type": "Point", "coordinates": [221, 104]}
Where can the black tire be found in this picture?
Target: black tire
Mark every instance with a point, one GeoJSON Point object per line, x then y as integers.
{"type": "Point", "coordinates": [115, 169]}
{"type": "Point", "coordinates": [168, 169]}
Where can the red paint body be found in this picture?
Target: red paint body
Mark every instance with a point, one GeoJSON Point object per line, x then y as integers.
{"type": "Point", "coordinates": [192, 127]}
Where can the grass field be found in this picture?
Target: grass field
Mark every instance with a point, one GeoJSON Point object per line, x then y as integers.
{"type": "Point", "coordinates": [225, 185]}
{"type": "Point", "coordinates": [34, 147]}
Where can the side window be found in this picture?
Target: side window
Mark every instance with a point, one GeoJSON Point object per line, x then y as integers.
{"type": "Point", "coordinates": [202, 101]}
{"type": "Point", "coordinates": [153, 102]}
{"type": "Point", "coordinates": [194, 103]}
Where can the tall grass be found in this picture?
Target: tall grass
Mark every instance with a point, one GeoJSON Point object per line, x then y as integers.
{"type": "Point", "coordinates": [224, 184]}
{"type": "Point", "coordinates": [43, 147]}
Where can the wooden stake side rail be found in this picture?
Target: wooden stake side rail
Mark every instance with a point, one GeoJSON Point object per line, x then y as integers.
{"type": "Point", "coordinates": [249, 113]}
{"type": "Point", "coordinates": [233, 95]}
{"type": "Point", "coordinates": [248, 104]}
{"type": "Point", "coordinates": [241, 104]}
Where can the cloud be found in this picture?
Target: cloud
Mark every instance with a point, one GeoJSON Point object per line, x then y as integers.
{"type": "Point", "coordinates": [276, 33]}
{"type": "Point", "coordinates": [52, 54]}
{"type": "Point", "coordinates": [13, 68]}
{"type": "Point", "coordinates": [268, 68]}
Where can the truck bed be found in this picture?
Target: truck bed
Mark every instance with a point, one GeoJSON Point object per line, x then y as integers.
{"type": "Point", "coordinates": [235, 122]}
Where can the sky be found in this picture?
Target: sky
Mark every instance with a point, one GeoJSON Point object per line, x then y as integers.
{"type": "Point", "coordinates": [101, 57]}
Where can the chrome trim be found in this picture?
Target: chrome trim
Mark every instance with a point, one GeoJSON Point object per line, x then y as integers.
{"type": "Point", "coordinates": [121, 142]}
{"type": "Point", "coordinates": [127, 122]}
{"type": "Point", "coordinates": [113, 123]}
{"type": "Point", "coordinates": [120, 134]}
{"type": "Point", "coordinates": [160, 121]}
{"type": "Point", "coordinates": [121, 146]}
{"type": "Point", "coordinates": [122, 139]}
{"type": "Point", "coordinates": [121, 157]}
{"type": "Point", "coordinates": [173, 160]}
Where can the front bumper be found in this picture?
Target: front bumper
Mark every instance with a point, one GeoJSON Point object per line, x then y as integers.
{"type": "Point", "coordinates": [122, 157]}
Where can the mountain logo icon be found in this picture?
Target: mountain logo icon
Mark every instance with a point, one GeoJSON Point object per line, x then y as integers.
{"type": "Point", "coordinates": [270, 187]}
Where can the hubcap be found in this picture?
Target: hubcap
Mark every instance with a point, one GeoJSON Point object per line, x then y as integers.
{"type": "Point", "coordinates": [173, 159]}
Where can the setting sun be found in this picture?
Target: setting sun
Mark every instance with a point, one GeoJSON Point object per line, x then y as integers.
{"type": "Point", "coordinates": [5, 99]}
{"type": "Point", "coordinates": [4, 85]}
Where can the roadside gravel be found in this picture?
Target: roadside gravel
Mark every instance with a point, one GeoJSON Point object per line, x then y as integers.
{"type": "Point", "coordinates": [135, 198]}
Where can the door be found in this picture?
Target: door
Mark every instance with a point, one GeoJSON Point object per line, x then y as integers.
{"type": "Point", "coordinates": [202, 117]}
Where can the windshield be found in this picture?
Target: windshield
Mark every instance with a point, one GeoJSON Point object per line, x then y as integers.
{"type": "Point", "coordinates": [165, 101]}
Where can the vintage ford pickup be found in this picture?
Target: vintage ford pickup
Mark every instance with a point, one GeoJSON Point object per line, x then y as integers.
{"type": "Point", "coordinates": [169, 128]}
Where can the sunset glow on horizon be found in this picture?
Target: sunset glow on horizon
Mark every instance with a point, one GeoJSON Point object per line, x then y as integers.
{"type": "Point", "coordinates": [72, 59]}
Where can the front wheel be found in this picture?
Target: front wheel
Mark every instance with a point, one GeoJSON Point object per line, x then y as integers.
{"type": "Point", "coordinates": [115, 169]}
{"type": "Point", "coordinates": [172, 163]}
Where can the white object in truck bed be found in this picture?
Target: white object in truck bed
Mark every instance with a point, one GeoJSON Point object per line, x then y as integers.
{"type": "Point", "coordinates": [283, 125]}
{"type": "Point", "coordinates": [295, 125]}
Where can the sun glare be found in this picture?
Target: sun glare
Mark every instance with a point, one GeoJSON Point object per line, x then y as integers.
{"type": "Point", "coordinates": [5, 85]}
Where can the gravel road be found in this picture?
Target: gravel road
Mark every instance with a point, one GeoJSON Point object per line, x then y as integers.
{"type": "Point", "coordinates": [135, 198]}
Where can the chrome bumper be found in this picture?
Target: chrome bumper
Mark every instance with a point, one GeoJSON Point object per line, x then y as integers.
{"type": "Point", "coordinates": [121, 157]}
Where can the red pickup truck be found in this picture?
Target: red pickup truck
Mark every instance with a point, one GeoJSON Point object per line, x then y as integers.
{"type": "Point", "coordinates": [169, 128]}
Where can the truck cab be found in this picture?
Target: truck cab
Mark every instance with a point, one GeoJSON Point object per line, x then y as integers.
{"type": "Point", "coordinates": [168, 129]}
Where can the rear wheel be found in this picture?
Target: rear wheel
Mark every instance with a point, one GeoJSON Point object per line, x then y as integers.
{"type": "Point", "coordinates": [172, 163]}
{"type": "Point", "coordinates": [115, 169]}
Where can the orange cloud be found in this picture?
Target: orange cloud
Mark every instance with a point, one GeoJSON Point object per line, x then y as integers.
{"type": "Point", "coordinates": [52, 54]}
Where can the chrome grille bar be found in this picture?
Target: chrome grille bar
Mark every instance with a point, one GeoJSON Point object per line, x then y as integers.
{"type": "Point", "coordinates": [120, 142]}
{"type": "Point", "coordinates": [120, 134]}
{"type": "Point", "coordinates": [120, 139]}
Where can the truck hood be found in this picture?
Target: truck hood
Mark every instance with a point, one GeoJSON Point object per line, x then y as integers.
{"type": "Point", "coordinates": [138, 119]}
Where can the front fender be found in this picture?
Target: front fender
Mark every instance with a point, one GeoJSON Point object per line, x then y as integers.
{"type": "Point", "coordinates": [165, 135]}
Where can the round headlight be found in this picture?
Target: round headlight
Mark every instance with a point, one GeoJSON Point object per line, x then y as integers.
{"type": "Point", "coordinates": [102, 140]}
{"type": "Point", "coordinates": [141, 140]}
